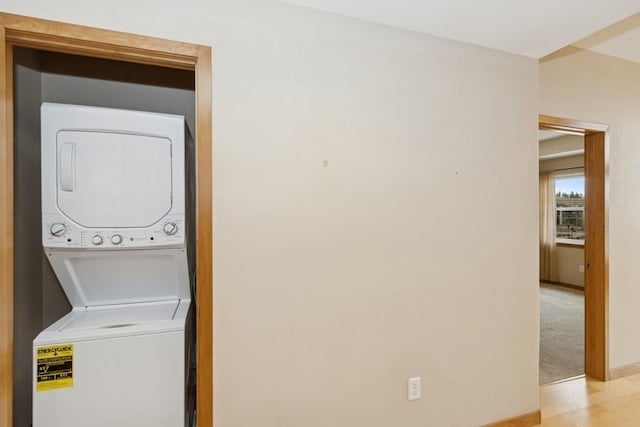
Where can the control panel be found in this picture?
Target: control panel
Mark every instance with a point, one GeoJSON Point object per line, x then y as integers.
{"type": "Point", "coordinates": [59, 232]}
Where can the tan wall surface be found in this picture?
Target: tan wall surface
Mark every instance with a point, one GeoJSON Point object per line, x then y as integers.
{"type": "Point", "coordinates": [335, 284]}
{"type": "Point", "coordinates": [569, 260]}
{"type": "Point", "coordinates": [595, 87]}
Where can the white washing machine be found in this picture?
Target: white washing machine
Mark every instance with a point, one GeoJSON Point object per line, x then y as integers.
{"type": "Point", "coordinates": [115, 231]}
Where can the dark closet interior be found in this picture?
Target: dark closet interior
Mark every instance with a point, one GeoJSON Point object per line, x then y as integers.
{"type": "Point", "coordinates": [41, 76]}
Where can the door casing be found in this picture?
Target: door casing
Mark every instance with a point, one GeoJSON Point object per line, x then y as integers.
{"type": "Point", "coordinates": [596, 247]}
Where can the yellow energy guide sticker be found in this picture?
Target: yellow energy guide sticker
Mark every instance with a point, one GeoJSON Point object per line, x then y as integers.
{"type": "Point", "coordinates": [54, 367]}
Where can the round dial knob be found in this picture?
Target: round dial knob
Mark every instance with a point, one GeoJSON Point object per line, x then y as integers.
{"type": "Point", "coordinates": [170, 228]}
{"type": "Point", "coordinates": [58, 229]}
{"type": "Point", "coordinates": [97, 240]}
{"type": "Point", "coordinates": [116, 239]}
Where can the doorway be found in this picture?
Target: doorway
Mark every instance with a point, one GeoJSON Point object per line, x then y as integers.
{"type": "Point", "coordinates": [47, 36]}
{"type": "Point", "coordinates": [595, 222]}
{"type": "Point", "coordinates": [562, 232]}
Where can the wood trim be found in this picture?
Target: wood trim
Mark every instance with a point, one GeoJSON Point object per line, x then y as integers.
{"type": "Point", "coordinates": [564, 285]}
{"type": "Point", "coordinates": [624, 371]}
{"type": "Point", "coordinates": [79, 40]}
{"type": "Point", "coordinates": [596, 239]}
{"type": "Point", "coordinates": [6, 234]}
{"type": "Point", "coordinates": [576, 127]}
{"type": "Point", "coordinates": [524, 420]}
{"type": "Point", "coordinates": [204, 241]}
{"type": "Point", "coordinates": [596, 294]}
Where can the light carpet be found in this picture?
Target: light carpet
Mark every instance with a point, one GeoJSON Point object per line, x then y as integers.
{"type": "Point", "coordinates": [561, 333]}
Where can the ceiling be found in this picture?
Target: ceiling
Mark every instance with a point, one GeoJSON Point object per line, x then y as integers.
{"type": "Point", "coordinates": [533, 28]}
{"type": "Point", "coordinates": [554, 145]}
{"type": "Point", "coordinates": [621, 40]}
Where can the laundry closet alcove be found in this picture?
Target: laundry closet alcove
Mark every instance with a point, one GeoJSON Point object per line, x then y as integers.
{"type": "Point", "coordinates": [60, 63]}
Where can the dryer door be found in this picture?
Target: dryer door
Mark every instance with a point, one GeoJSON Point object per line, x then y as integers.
{"type": "Point", "coordinates": [113, 180]}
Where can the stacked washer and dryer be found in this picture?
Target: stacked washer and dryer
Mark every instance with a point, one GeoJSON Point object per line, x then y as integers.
{"type": "Point", "coordinates": [116, 223]}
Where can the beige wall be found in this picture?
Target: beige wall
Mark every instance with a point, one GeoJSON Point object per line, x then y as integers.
{"type": "Point", "coordinates": [568, 262]}
{"type": "Point", "coordinates": [335, 284]}
{"type": "Point", "coordinates": [594, 87]}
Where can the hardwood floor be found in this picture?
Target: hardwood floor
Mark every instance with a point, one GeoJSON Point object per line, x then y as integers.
{"type": "Point", "coordinates": [587, 402]}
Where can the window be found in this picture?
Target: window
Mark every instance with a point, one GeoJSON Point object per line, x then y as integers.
{"type": "Point", "coordinates": [569, 191]}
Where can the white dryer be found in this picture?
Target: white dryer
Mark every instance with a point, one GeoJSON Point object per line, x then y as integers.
{"type": "Point", "coordinates": [115, 231]}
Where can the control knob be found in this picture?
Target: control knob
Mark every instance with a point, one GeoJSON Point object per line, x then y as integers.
{"type": "Point", "coordinates": [170, 228]}
{"type": "Point", "coordinates": [58, 229]}
{"type": "Point", "coordinates": [116, 239]}
{"type": "Point", "coordinates": [97, 240]}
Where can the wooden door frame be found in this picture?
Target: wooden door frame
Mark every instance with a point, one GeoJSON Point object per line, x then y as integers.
{"type": "Point", "coordinates": [597, 239]}
{"type": "Point", "coordinates": [22, 31]}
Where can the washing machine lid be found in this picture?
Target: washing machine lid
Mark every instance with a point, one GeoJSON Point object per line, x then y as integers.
{"type": "Point", "coordinates": [102, 278]}
{"type": "Point", "coordinates": [110, 179]}
{"type": "Point", "coordinates": [118, 321]}
{"type": "Point", "coordinates": [120, 316]}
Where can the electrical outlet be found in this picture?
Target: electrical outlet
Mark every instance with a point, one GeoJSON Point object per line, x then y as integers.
{"type": "Point", "coordinates": [414, 388]}
{"type": "Point", "coordinates": [581, 268]}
